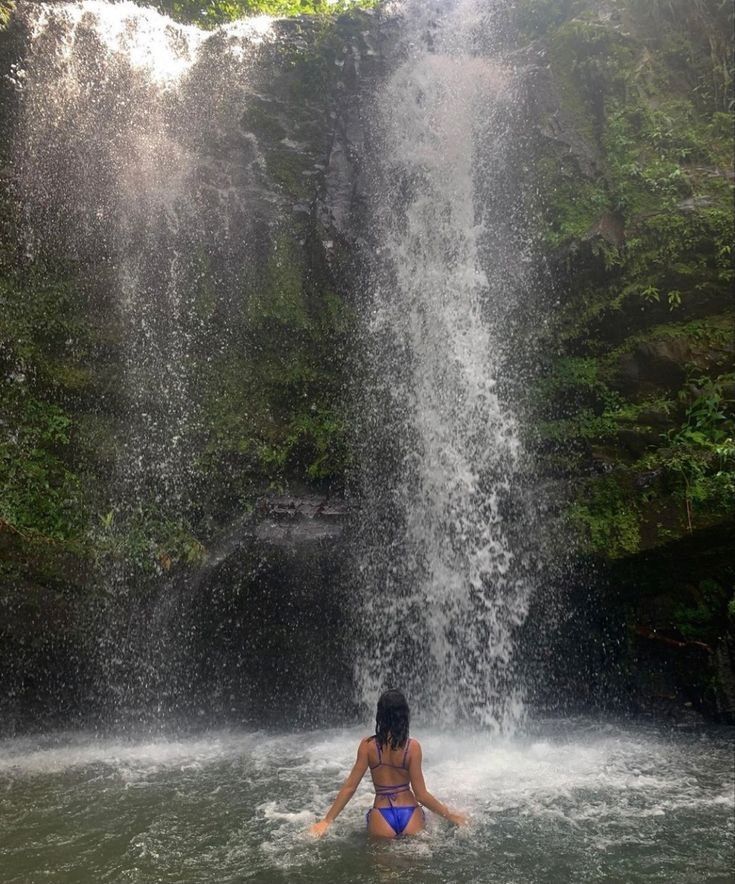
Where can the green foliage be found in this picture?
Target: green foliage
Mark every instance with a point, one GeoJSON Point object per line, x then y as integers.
{"type": "Point", "coordinates": [210, 13]}
{"type": "Point", "coordinates": [45, 359]}
{"type": "Point", "coordinates": [698, 458]}
{"type": "Point", "coordinates": [693, 40]}
{"type": "Point", "coordinates": [693, 465]}
{"type": "Point", "coordinates": [655, 153]}
{"type": "Point", "coordinates": [700, 617]}
{"type": "Point", "coordinates": [43, 328]}
{"type": "Point", "coordinates": [606, 518]}
{"type": "Point", "coordinates": [572, 206]}
{"type": "Point", "coordinates": [275, 412]}
{"type": "Point", "coordinates": [662, 153]}
{"type": "Point", "coordinates": [146, 538]}
{"type": "Point", "coordinates": [570, 382]}
{"type": "Point", "coordinates": [534, 18]}
{"type": "Point", "coordinates": [39, 494]}
{"type": "Point", "coordinates": [6, 7]}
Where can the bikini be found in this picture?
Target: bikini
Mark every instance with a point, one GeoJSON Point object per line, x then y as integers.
{"type": "Point", "coordinates": [396, 817]}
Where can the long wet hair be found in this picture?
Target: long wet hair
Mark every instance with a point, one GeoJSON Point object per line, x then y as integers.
{"type": "Point", "coordinates": [391, 719]}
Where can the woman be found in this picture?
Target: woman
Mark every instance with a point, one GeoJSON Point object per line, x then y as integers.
{"type": "Point", "coordinates": [395, 764]}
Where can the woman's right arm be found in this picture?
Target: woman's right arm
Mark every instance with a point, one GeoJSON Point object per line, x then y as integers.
{"type": "Point", "coordinates": [423, 796]}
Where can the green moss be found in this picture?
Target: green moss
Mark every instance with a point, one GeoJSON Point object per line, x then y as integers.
{"type": "Point", "coordinates": [703, 334]}
{"type": "Point", "coordinates": [275, 413]}
{"type": "Point", "coordinates": [210, 13]}
{"type": "Point", "coordinates": [43, 326]}
{"type": "Point", "coordinates": [569, 377]}
{"type": "Point", "coordinates": [605, 518]}
{"type": "Point", "coordinates": [40, 495]}
{"type": "Point", "coordinates": [700, 617]}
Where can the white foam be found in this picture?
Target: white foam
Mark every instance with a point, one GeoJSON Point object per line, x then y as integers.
{"type": "Point", "coordinates": [147, 38]}
{"type": "Point", "coordinates": [569, 784]}
{"type": "Point", "coordinates": [67, 751]}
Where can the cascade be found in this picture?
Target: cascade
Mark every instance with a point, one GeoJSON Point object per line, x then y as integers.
{"type": "Point", "coordinates": [443, 585]}
{"type": "Point", "coordinates": [124, 121]}
{"type": "Point", "coordinates": [134, 159]}
{"type": "Point", "coordinates": [135, 156]}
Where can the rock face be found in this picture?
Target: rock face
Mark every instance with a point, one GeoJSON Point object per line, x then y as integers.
{"type": "Point", "coordinates": [291, 521]}
{"type": "Point", "coordinates": [243, 336]}
{"type": "Point", "coordinates": [634, 398]}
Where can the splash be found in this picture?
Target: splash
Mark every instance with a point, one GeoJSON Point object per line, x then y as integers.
{"type": "Point", "coordinates": [147, 39]}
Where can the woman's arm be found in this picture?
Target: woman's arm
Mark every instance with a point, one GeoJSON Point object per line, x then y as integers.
{"type": "Point", "coordinates": [345, 793]}
{"type": "Point", "coordinates": [423, 796]}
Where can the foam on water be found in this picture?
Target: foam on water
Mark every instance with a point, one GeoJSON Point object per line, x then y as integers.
{"type": "Point", "coordinates": [581, 785]}
{"type": "Point", "coordinates": [471, 767]}
{"type": "Point", "coordinates": [241, 801]}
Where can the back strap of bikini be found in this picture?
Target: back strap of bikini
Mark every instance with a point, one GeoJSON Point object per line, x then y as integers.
{"type": "Point", "coordinates": [405, 752]}
{"type": "Point", "coordinates": [391, 792]}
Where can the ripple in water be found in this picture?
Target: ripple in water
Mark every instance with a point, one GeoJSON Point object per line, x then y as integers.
{"type": "Point", "coordinates": [570, 801]}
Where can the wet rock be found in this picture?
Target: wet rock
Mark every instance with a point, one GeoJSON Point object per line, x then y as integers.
{"type": "Point", "coordinates": [290, 521]}
{"type": "Point", "coordinates": [652, 366]}
{"type": "Point", "coordinates": [541, 94]}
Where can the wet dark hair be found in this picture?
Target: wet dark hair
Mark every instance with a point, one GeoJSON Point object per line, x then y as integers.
{"type": "Point", "coordinates": [391, 719]}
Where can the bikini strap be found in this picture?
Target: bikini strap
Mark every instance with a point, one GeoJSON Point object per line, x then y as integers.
{"type": "Point", "coordinates": [405, 752]}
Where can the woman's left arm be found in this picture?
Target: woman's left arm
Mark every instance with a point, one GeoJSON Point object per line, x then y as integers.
{"type": "Point", "coordinates": [345, 793]}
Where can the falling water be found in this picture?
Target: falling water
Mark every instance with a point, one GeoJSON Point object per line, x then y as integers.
{"type": "Point", "coordinates": [117, 163]}
{"type": "Point", "coordinates": [134, 159]}
{"type": "Point", "coordinates": [443, 582]}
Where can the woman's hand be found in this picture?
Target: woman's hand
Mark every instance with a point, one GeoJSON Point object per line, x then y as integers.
{"type": "Point", "coordinates": [319, 830]}
{"type": "Point", "coordinates": [459, 819]}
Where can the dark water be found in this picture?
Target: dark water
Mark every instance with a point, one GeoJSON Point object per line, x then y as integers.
{"type": "Point", "coordinates": [568, 801]}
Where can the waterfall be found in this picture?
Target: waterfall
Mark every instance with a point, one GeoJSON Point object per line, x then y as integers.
{"type": "Point", "coordinates": [134, 160]}
{"type": "Point", "coordinates": [148, 153]}
{"type": "Point", "coordinates": [443, 586]}
{"type": "Point", "coordinates": [123, 114]}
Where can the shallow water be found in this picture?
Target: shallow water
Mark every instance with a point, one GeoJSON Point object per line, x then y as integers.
{"type": "Point", "coordinates": [569, 801]}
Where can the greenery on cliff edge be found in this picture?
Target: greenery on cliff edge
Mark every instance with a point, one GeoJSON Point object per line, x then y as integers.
{"type": "Point", "coordinates": [637, 221]}
{"type": "Point", "coordinates": [211, 13]}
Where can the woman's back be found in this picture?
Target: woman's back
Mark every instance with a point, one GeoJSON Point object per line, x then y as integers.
{"type": "Point", "coordinates": [395, 766]}
{"type": "Point", "coordinates": [388, 767]}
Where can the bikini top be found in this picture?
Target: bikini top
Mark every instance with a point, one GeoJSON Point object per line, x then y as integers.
{"type": "Point", "coordinates": [390, 790]}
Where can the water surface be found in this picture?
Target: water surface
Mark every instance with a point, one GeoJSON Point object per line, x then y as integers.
{"type": "Point", "coordinates": [569, 801]}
